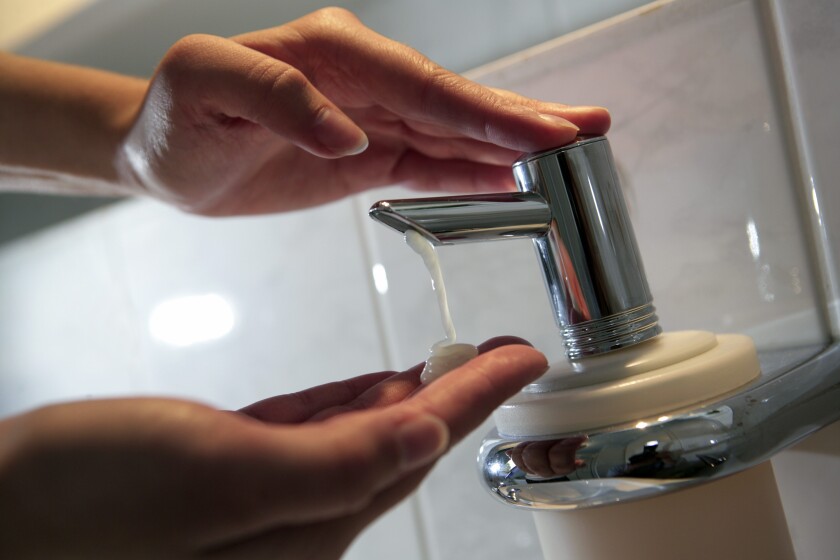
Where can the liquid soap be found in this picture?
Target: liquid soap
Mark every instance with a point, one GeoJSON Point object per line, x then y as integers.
{"type": "Point", "coordinates": [447, 354]}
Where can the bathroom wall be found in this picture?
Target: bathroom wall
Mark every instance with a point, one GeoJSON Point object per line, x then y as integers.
{"type": "Point", "coordinates": [723, 122]}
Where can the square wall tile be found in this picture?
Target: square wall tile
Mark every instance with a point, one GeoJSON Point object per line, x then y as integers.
{"type": "Point", "coordinates": [291, 295]}
{"type": "Point", "coordinates": [66, 331]}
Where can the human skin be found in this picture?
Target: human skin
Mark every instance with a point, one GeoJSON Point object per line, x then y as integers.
{"type": "Point", "coordinates": [269, 121]}
{"type": "Point", "coordinates": [160, 478]}
{"type": "Point", "coordinates": [273, 120]}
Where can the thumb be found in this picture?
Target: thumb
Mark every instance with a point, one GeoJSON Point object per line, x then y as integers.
{"type": "Point", "coordinates": [239, 82]}
{"type": "Point", "coordinates": [341, 464]}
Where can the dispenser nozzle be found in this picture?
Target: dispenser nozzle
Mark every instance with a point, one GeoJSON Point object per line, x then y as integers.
{"type": "Point", "coordinates": [458, 219]}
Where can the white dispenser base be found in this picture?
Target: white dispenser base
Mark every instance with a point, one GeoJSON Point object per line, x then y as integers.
{"type": "Point", "coordinates": [739, 516]}
{"type": "Point", "coordinates": [639, 383]}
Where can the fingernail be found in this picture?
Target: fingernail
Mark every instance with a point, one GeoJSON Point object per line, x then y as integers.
{"type": "Point", "coordinates": [339, 134]}
{"type": "Point", "coordinates": [422, 439]}
{"type": "Point", "coordinates": [558, 121]}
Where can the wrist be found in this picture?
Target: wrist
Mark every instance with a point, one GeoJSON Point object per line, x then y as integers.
{"type": "Point", "coordinates": [61, 126]}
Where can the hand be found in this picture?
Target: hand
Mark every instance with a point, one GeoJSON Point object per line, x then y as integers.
{"type": "Point", "coordinates": [295, 476]}
{"type": "Point", "coordinates": [324, 107]}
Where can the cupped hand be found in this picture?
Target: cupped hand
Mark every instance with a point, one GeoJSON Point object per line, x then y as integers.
{"type": "Point", "coordinates": [320, 108]}
{"type": "Point", "coordinates": [295, 476]}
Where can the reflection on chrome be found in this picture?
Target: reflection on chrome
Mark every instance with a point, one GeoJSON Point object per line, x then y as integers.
{"type": "Point", "coordinates": [188, 320]}
{"type": "Point", "coordinates": [797, 394]}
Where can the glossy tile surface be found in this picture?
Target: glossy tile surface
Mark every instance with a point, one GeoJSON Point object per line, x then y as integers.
{"type": "Point", "coordinates": [66, 331]}
{"type": "Point", "coordinates": [297, 286]}
{"type": "Point", "coordinates": [810, 47]}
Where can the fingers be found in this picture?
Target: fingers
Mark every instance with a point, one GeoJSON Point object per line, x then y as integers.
{"type": "Point", "coordinates": [373, 390]}
{"type": "Point", "coordinates": [499, 341]}
{"type": "Point", "coordinates": [392, 390]}
{"type": "Point", "coordinates": [466, 396]}
{"type": "Point", "coordinates": [230, 81]}
{"type": "Point", "coordinates": [360, 67]}
{"type": "Point", "coordinates": [302, 406]}
{"type": "Point", "coordinates": [397, 387]}
{"type": "Point", "coordinates": [431, 94]}
{"type": "Point", "coordinates": [427, 93]}
{"type": "Point", "coordinates": [341, 464]}
{"type": "Point", "coordinates": [338, 466]}
{"type": "Point", "coordinates": [413, 434]}
{"type": "Point", "coordinates": [421, 172]}
{"type": "Point", "coordinates": [437, 144]}
{"type": "Point", "coordinates": [591, 120]}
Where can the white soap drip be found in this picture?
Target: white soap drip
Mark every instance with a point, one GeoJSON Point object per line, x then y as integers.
{"type": "Point", "coordinates": [444, 355]}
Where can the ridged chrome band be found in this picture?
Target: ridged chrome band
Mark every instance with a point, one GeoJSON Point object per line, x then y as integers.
{"type": "Point", "coordinates": [611, 333]}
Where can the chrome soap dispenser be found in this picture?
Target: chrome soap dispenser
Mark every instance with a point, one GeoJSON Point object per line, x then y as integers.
{"type": "Point", "coordinates": [570, 204]}
{"type": "Point", "coordinates": [633, 412]}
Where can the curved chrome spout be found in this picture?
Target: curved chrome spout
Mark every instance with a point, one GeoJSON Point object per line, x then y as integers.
{"type": "Point", "coordinates": [570, 203]}
{"type": "Point", "coordinates": [457, 219]}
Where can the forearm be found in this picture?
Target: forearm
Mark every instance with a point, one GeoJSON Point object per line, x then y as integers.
{"type": "Point", "coordinates": [61, 126]}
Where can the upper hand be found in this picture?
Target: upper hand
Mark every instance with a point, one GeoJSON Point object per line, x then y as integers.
{"type": "Point", "coordinates": [154, 478]}
{"type": "Point", "coordinates": [269, 120]}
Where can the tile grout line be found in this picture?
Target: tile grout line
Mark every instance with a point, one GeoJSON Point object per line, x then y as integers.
{"type": "Point", "coordinates": [380, 320]}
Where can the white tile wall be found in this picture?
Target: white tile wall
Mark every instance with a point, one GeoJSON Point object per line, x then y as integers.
{"type": "Point", "coordinates": [292, 289]}
{"type": "Point", "coordinates": [701, 140]}
{"type": "Point", "coordinates": [65, 330]}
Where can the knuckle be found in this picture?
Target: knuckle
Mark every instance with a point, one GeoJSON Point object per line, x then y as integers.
{"type": "Point", "coordinates": [185, 59]}
{"type": "Point", "coordinates": [334, 14]}
{"type": "Point", "coordinates": [278, 82]}
{"type": "Point", "coordinates": [328, 30]}
{"type": "Point", "coordinates": [185, 50]}
{"type": "Point", "coordinates": [288, 81]}
{"type": "Point", "coordinates": [437, 81]}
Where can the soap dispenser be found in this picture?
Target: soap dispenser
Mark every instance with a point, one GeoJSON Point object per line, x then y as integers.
{"type": "Point", "coordinates": [632, 412]}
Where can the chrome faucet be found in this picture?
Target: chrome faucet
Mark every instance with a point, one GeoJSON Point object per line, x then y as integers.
{"type": "Point", "coordinates": [571, 205]}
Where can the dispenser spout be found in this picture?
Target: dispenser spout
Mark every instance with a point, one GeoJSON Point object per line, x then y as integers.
{"type": "Point", "coordinates": [459, 219]}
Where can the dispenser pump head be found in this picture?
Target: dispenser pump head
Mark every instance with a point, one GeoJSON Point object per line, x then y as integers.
{"type": "Point", "coordinates": [570, 203]}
